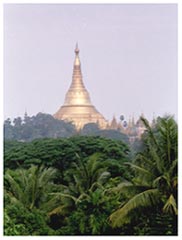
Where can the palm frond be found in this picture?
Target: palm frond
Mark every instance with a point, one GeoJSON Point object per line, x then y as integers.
{"type": "Point", "coordinates": [15, 187]}
{"type": "Point", "coordinates": [150, 132]}
{"type": "Point", "coordinates": [96, 185]}
{"type": "Point", "coordinates": [165, 179]}
{"type": "Point", "coordinates": [144, 161]}
{"type": "Point", "coordinates": [156, 158]}
{"type": "Point", "coordinates": [143, 175]}
{"type": "Point", "coordinates": [173, 168]}
{"type": "Point", "coordinates": [143, 199]}
{"type": "Point", "coordinates": [141, 170]}
{"type": "Point", "coordinates": [171, 206]}
{"type": "Point", "coordinates": [65, 196]}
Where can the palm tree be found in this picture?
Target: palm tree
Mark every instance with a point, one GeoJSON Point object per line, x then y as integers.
{"type": "Point", "coordinates": [155, 181]}
{"type": "Point", "coordinates": [28, 186]}
{"type": "Point", "coordinates": [85, 178]}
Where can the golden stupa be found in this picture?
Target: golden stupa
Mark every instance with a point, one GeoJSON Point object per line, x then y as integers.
{"type": "Point", "coordinates": [77, 107]}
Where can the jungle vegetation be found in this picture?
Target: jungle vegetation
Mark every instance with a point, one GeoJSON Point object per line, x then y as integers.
{"type": "Point", "coordinates": [92, 185]}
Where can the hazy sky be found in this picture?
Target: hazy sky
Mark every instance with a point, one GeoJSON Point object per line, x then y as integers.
{"type": "Point", "coordinates": [128, 57]}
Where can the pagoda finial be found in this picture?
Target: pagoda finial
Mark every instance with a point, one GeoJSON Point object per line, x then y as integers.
{"type": "Point", "coordinates": [76, 48]}
{"type": "Point", "coordinates": [77, 60]}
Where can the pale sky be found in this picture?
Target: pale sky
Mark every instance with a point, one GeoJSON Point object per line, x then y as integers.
{"type": "Point", "coordinates": [128, 57]}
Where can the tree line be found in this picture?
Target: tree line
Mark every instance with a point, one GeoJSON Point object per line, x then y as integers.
{"type": "Point", "coordinates": [46, 126]}
{"type": "Point", "coordinates": [88, 185]}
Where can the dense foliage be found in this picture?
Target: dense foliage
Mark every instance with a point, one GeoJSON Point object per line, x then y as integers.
{"type": "Point", "coordinates": [88, 185]}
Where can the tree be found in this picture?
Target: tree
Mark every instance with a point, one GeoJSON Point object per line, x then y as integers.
{"type": "Point", "coordinates": [155, 181]}
{"type": "Point", "coordinates": [91, 214]}
{"type": "Point", "coordinates": [83, 183]}
{"type": "Point", "coordinates": [17, 122]}
{"type": "Point", "coordinates": [8, 129]}
{"type": "Point", "coordinates": [86, 203]}
{"type": "Point", "coordinates": [30, 186]}
{"type": "Point", "coordinates": [83, 177]}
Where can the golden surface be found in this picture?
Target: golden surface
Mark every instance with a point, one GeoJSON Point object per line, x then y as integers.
{"type": "Point", "coordinates": [77, 107]}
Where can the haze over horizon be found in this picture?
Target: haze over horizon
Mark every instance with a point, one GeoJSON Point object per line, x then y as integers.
{"type": "Point", "coordinates": [128, 55]}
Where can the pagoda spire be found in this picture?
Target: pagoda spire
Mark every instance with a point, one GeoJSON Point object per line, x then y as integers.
{"type": "Point", "coordinates": [77, 107]}
{"type": "Point", "coordinates": [77, 93]}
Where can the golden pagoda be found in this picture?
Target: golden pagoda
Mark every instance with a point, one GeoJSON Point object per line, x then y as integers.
{"type": "Point", "coordinates": [77, 107]}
